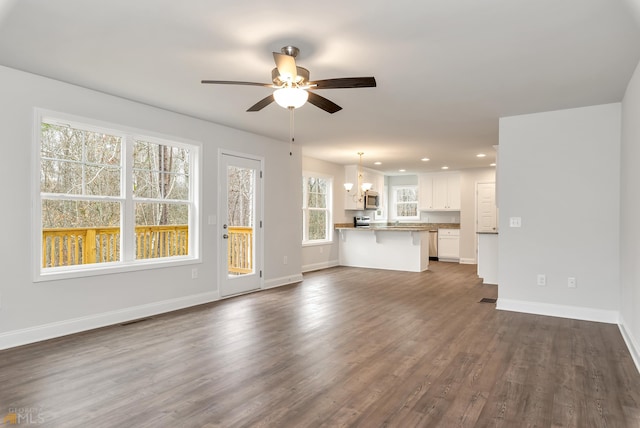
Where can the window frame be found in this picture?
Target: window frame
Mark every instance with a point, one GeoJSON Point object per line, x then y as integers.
{"type": "Point", "coordinates": [126, 198]}
{"type": "Point", "coordinates": [393, 211]}
{"type": "Point", "coordinates": [306, 242]}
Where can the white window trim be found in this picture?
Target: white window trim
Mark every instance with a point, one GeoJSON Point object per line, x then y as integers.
{"type": "Point", "coordinates": [128, 264]}
{"type": "Point", "coordinates": [329, 209]}
{"type": "Point", "coordinates": [394, 201]}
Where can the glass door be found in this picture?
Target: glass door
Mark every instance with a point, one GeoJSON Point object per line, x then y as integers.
{"type": "Point", "coordinates": [240, 225]}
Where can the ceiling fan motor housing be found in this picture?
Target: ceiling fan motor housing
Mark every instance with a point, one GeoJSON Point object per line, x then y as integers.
{"type": "Point", "coordinates": [290, 50]}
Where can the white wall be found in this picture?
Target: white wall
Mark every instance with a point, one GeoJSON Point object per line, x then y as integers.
{"type": "Point", "coordinates": [31, 311]}
{"type": "Point", "coordinates": [630, 217]}
{"type": "Point", "coordinates": [559, 172]}
{"type": "Point", "coordinates": [401, 180]}
{"type": "Point", "coordinates": [321, 256]}
{"type": "Point", "coordinates": [468, 237]}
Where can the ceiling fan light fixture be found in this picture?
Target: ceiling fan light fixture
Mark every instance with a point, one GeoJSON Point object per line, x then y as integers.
{"type": "Point", "coordinates": [290, 97]}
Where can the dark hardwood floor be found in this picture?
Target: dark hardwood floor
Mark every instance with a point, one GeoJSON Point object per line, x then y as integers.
{"type": "Point", "coordinates": [346, 347]}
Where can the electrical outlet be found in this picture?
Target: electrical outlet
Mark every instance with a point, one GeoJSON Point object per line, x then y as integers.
{"type": "Point", "coordinates": [194, 273]}
{"type": "Point", "coordinates": [571, 282]}
{"type": "Point", "coordinates": [285, 261]}
{"type": "Point", "coordinates": [542, 279]}
{"type": "Point", "coordinates": [515, 222]}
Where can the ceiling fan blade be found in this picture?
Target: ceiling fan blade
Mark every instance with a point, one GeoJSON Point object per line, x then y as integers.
{"type": "Point", "coordinates": [286, 65]}
{"type": "Point", "coordinates": [323, 103]}
{"type": "Point", "coordinates": [262, 103]}
{"type": "Point", "coordinates": [233, 82]}
{"type": "Point", "coordinates": [345, 82]}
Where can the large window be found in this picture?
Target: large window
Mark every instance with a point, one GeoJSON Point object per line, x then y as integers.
{"type": "Point", "coordinates": [316, 208]}
{"type": "Point", "coordinates": [111, 199]}
{"type": "Point", "coordinates": [404, 204]}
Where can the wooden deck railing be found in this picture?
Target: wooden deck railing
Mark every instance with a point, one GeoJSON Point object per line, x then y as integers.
{"type": "Point", "coordinates": [240, 250]}
{"type": "Point", "coordinates": [75, 246]}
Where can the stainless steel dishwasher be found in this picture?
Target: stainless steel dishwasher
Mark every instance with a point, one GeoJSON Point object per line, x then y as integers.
{"type": "Point", "coordinates": [433, 245]}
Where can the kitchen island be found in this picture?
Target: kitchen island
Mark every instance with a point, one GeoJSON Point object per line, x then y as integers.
{"type": "Point", "coordinates": [404, 248]}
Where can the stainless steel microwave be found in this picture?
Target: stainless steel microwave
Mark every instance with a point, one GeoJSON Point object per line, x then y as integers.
{"type": "Point", "coordinates": [371, 200]}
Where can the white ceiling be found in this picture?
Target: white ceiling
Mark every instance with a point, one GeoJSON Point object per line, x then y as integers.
{"type": "Point", "coordinates": [446, 69]}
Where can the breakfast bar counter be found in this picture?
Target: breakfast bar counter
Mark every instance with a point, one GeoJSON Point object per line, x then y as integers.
{"type": "Point", "coordinates": [404, 248]}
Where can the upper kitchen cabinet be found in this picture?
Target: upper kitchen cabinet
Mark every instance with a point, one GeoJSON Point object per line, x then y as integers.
{"type": "Point", "coordinates": [352, 201]}
{"type": "Point", "coordinates": [425, 192]}
{"type": "Point", "coordinates": [439, 191]}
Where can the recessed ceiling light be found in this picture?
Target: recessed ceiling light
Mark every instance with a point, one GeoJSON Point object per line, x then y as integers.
{"type": "Point", "coordinates": [402, 170]}
{"type": "Point", "coordinates": [425, 159]}
{"type": "Point", "coordinates": [492, 164]}
{"type": "Point", "coordinates": [445, 167]}
{"type": "Point", "coordinates": [377, 163]}
{"type": "Point", "coordinates": [480, 155]}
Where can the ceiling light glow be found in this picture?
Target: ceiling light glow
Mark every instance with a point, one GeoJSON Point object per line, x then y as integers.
{"type": "Point", "coordinates": [425, 159]}
{"type": "Point", "coordinates": [290, 97]}
{"type": "Point", "coordinates": [480, 155]}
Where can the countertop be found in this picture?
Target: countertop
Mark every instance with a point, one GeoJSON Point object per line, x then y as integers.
{"type": "Point", "coordinates": [402, 227]}
{"type": "Point", "coordinates": [487, 233]}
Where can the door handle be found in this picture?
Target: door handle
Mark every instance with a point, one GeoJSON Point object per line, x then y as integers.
{"type": "Point", "coordinates": [225, 236]}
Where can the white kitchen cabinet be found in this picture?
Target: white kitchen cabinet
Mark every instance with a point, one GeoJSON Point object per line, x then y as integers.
{"type": "Point", "coordinates": [439, 192]}
{"type": "Point", "coordinates": [351, 201]}
{"type": "Point", "coordinates": [449, 245]}
{"type": "Point", "coordinates": [425, 192]}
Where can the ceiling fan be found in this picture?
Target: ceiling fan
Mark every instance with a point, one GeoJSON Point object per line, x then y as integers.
{"type": "Point", "coordinates": [293, 87]}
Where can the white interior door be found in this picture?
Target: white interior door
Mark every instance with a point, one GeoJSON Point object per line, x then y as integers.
{"type": "Point", "coordinates": [486, 207]}
{"type": "Point", "coordinates": [240, 225]}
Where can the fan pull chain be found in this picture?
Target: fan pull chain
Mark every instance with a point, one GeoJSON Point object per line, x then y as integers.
{"type": "Point", "coordinates": [291, 126]}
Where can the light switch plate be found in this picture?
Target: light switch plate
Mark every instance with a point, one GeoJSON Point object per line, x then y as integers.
{"type": "Point", "coordinates": [515, 221]}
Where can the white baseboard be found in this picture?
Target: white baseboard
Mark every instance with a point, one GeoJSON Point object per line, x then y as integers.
{"type": "Point", "coordinates": [561, 311]}
{"type": "Point", "coordinates": [468, 261]}
{"type": "Point", "coordinates": [634, 349]}
{"type": "Point", "coordinates": [318, 266]}
{"type": "Point", "coordinates": [284, 280]}
{"type": "Point", "coordinates": [62, 328]}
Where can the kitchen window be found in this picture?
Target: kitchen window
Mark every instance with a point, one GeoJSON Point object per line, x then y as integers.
{"type": "Point", "coordinates": [404, 203]}
{"type": "Point", "coordinates": [316, 208]}
{"type": "Point", "coordinates": [110, 199]}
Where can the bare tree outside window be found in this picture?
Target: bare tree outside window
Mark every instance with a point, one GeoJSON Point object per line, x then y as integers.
{"type": "Point", "coordinates": [240, 194]}
{"type": "Point", "coordinates": [160, 173]}
{"type": "Point", "coordinates": [316, 208]}
{"type": "Point", "coordinates": [80, 164]}
{"type": "Point", "coordinates": [405, 200]}
{"type": "Point", "coordinates": [84, 191]}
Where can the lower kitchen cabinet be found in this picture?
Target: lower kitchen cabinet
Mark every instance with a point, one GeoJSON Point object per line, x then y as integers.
{"type": "Point", "coordinates": [449, 245]}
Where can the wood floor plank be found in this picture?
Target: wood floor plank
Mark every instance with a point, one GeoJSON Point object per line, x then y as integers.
{"type": "Point", "coordinates": [346, 347]}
